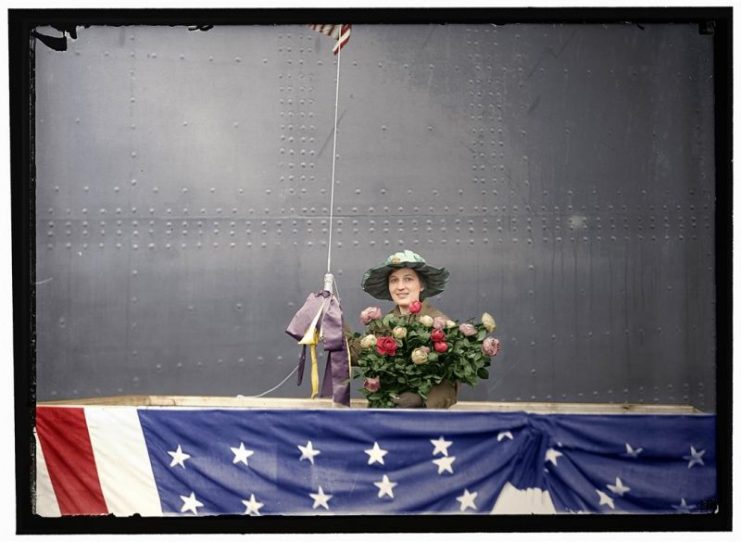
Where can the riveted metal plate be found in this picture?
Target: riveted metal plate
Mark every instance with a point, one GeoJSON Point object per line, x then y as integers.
{"type": "Point", "coordinates": [562, 173]}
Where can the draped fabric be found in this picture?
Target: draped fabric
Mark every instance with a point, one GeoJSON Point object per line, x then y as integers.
{"type": "Point", "coordinates": [321, 312]}
{"type": "Point", "coordinates": [163, 461]}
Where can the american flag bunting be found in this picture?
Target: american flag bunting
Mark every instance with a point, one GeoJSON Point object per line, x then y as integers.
{"type": "Point", "coordinates": [177, 461]}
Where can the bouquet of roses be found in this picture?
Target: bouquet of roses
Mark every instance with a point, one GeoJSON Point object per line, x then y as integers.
{"type": "Point", "coordinates": [414, 353]}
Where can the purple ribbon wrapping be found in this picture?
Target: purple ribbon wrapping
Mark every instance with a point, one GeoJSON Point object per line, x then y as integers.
{"type": "Point", "coordinates": [336, 382]}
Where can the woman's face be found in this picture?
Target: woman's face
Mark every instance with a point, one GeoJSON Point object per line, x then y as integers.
{"type": "Point", "coordinates": [404, 286]}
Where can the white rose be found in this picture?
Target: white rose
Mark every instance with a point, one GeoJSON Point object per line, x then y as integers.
{"type": "Point", "coordinates": [399, 332]}
{"type": "Point", "coordinates": [488, 322]}
{"type": "Point", "coordinates": [419, 356]}
{"type": "Point", "coordinates": [369, 341]}
{"type": "Point", "coordinates": [426, 320]}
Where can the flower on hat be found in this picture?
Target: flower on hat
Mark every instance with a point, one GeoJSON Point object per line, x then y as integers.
{"type": "Point", "coordinates": [468, 330]}
{"type": "Point", "coordinates": [406, 256]}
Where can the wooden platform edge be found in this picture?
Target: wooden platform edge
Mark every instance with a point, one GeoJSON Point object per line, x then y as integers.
{"type": "Point", "coordinates": [298, 403]}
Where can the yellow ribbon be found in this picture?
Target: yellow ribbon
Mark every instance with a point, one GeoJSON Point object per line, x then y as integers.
{"type": "Point", "coordinates": [311, 339]}
{"type": "Point", "coordinates": [349, 361]}
{"type": "Point", "coordinates": [314, 365]}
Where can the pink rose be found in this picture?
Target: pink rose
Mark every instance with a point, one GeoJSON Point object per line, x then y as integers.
{"type": "Point", "coordinates": [370, 314]}
{"type": "Point", "coordinates": [469, 330]}
{"type": "Point", "coordinates": [386, 346]}
{"type": "Point", "coordinates": [415, 307]}
{"type": "Point", "coordinates": [490, 347]}
{"type": "Point", "coordinates": [372, 384]}
{"type": "Point", "coordinates": [439, 322]}
{"type": "Point", "coordinates": [437, 335]}
{"type": "Point", "coordinates": [440, 347]}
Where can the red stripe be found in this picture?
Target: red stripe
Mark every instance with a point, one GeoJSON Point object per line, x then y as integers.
{"type": "Point", "coordinates": [343, 38]}
{"type": "Point", "coordinates": [326, 29]}
{"type": "Point", "coordinates": [69, 458]}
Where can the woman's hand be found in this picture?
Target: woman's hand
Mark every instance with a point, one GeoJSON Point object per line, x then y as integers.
{"type": "Point", "coordinates": [408, 399]}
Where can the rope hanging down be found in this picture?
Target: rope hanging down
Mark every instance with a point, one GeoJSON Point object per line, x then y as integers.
{"type": "Point", "coordinates": [334, 160]}
{"type": "Point", "coordinates": [341, 33]}
{"type": "Point", "coordinates": [320, 318]}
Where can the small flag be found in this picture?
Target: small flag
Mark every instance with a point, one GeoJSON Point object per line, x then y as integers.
{"type": "Point", "coordinates": [339, 32]}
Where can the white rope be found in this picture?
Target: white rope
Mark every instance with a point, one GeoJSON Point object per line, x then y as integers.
{"type": "Point", "coordinates": [334, 159]}
{"type": "Point", "coordinates": [271, 389]}
{"type": "Point", "coordinates": [331, 217]}
{"type": "Point", "coordinates": [336, 289]}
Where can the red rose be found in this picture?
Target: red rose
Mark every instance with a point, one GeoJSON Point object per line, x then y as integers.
{"type": "Point", "coordinates": [386, 346]}
{"type": "Point", "coordinates": [415, 307]}
{"type": "Point", "coordinates": [437, 335]}
{"type": "Point", "coordinates": [440, 347]}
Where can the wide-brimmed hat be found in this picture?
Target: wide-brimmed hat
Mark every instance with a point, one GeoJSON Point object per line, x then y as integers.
{"type": "Point", "coordinates": [376, 280]}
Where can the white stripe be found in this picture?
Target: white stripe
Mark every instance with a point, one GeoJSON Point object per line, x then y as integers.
{"type": "Point", "coordinates": [46, 501]}
{"type": "Point", "coordinates": [523, 501]}
{"type": "Point", "coordinates": [343, 38]}
{"type": "Point", "coordinates": [121, 457]}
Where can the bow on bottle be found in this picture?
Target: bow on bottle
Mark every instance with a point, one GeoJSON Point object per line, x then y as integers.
{"type": "Point", "coordinates": [320, 319]}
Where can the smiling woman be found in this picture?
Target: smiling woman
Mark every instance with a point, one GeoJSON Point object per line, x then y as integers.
{"type": "Point", "coordinates": [406, 279]}
{"type": "Point", "coordinates": [377, 281]}
{"type": "Point", "coordinates": [405, 286]}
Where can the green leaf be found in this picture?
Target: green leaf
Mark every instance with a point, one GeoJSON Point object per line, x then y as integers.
{"type": "Point", "coordinates": [482, 373]}
{"type": "Point", "coordinates": [424, 336]}
{"type": "Point", "coordinates": [481, 335]}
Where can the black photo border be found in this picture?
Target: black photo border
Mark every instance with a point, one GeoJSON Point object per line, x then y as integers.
{"type": "Point", "coordinates": [716, 20]}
